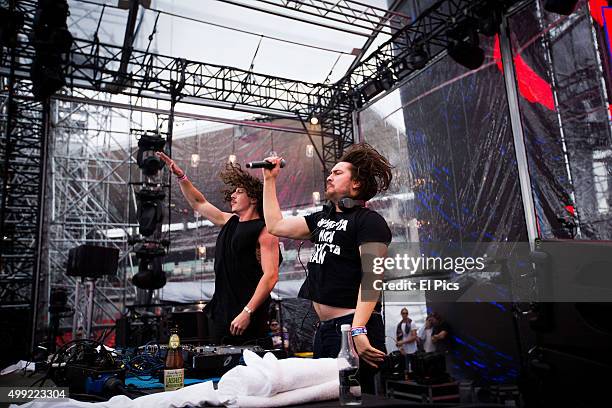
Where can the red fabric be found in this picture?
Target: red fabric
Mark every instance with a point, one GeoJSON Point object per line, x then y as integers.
{"type": "Point", "coordinates": [531, 86]}
{"type": "Point", "coordinates": [595, 7]}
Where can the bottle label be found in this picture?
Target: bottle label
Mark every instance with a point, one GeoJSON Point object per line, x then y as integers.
{"type": "Point", "coordinates": [349, 377]}
{"type": "Point", "coordinates": [174, 341]}
{"type": "Point", "coordinates": [174, 379]}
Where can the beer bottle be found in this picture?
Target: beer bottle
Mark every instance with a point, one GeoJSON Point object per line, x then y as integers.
{"type": "Point", "coordinates": [174, 373]}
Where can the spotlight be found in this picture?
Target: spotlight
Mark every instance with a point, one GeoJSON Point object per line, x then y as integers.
{"type": "Point", "coordinates": [195, 160]}
{"type": "Point", "coordinates": [316, 198]}
{"type": "Point", "coordinates": [232, 158]}
{"type": "Point", "coordinates": [466, 51]}
{"type": "Point", "coordinates": [565, 7]}
{"type": "Point", "coordinates": [314, 120]}
{"type": "Point", "coordinates": [373, 87]}
{"type": "Point", "coordinates": [146, 159]}
{"type": "Point", "coordinates": [150, 273]}
{"type": "Point", "coordinates": [150, 211]}
{"type": "Point", "coordinates": [201, 251]}
{"type": "Point", "coordinates": [309, 151]}
{"type": "Point", "coordinates": [52, 43]}
{"type": "Point", "coordinates": [417, 59]}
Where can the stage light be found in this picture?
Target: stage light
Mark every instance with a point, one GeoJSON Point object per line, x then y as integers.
{"type": "Point", "coordinates": [565, 7]}
{"type": "Point", "coordinates": [316, 198]}
{"type": "Point", "coordinates": [232, 158]}
{"type": "Point", "coordinates": [146, 158]}
{"type": "Point", "coordinates": [314, 120]}
{"type": "Point", "coordinates": [52, 42]}
{"type": "Point", "coordinates": [466, 51]}
{"type": "Point", "coordinates": [383, 81]}
{"type": "Point", "coordinates": [150, 274]}
{"type": "Point", "coordinates": [417, 59]}
{"type": "Point", "coordinates": [309, 151]}
{"type": "Point", "coordinates": [201, 251]}
{"type": "Point", "coordinates": [150, 211]}
{"type": "Point", "coordinates": [195, 160]}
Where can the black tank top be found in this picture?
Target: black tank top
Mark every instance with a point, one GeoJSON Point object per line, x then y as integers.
{"type": "Point", "coordinates": [237, 270]}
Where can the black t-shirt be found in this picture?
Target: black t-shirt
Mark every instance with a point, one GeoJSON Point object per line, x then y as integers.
{"type": "Point", "coordinates": [334, 268]}
{"type": "Point", "coordinates": [237, 270]}
{"type": "Point", "coordinates": [442, 345]}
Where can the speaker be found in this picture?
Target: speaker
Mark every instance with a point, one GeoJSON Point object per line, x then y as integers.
{"type": "Point", "coordinates": [90, 261]}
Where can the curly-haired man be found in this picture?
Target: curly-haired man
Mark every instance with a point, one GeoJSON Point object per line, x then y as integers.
{"type": "Point", "coordinates": [246, 256]}
{"type": "Point", "coordinates": [343, 232]}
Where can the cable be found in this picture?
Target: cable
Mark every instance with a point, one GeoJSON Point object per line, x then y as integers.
{"type": "Point", "coordinates": [231, 28]}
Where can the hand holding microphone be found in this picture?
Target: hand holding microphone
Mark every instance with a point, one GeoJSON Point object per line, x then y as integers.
{"type": "Point", "coordinates": [265, 164]}
{"type": "Point", "coordinates": [271, 166]}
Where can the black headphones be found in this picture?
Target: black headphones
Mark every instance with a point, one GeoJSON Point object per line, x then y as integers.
{"type": "Point", "coordinates": [345, 204]}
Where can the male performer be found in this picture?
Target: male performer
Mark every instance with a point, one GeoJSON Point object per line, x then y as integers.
{"type": "Point", "coordinates": [341, 234]}
{"type": "Point", "coordinates": [246, 257]}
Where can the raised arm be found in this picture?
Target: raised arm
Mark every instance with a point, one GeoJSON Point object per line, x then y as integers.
{"type": "Point", "coordinates": [290, 227]}
{"type": "Point", "coordinates": [195, 198]}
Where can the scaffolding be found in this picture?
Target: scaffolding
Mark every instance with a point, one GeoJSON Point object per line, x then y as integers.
{"type": "Point", "coordinates": [85, 156]}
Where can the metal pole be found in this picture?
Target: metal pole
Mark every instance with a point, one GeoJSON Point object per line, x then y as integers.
{"type": "Point", "coordinates": [517, 134]}
{"type": "Point", "coordinates": [91, 287]}
{"type": "Point", "coordinates": [40, 237]}
{"type": "Point", "coordinates": [75, 317]}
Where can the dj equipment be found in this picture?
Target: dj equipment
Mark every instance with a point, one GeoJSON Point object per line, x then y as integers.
{"type": "Point", "coordinates": [210, 361]}
{"type": "Point", "coordinates": [429, 368]}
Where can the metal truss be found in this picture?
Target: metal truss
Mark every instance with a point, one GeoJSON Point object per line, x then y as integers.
{"type": "Point", "coordinates": [150, 75]}
{"type": "Point", "coordinates": [23, 126]}
{"type": "Point", "coordinates": [22, 154]}
{"type": "Point", "coordinates": [85, 181]}
{"type": "Point", "coordinates": [429, 33]}
{"type": "Point", "coordinates": [348, 13]}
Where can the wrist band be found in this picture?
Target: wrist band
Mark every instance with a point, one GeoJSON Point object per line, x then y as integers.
{"type": "Point", "coordinates": [246, 309]}
{"type": "Point", "coordinates": [183, 177]}
{"type": "Point", "coordinates": [358, 330]}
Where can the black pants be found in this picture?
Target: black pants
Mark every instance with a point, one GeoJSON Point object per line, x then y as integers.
{"type": "Point", "coordinates": [328, 339]}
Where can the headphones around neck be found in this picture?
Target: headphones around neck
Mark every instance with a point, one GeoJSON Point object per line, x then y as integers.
{"type": "Point", "coordinates": [345, 204]}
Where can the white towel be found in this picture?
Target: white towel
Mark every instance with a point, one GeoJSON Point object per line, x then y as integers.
{"type": "Point", "coordinates": [263, 382]}
{"type": "Point", "coordinates": [268, 376]}
{"type": "Point", "coordinates": [320, 392]}
{"type": "Point", "coordinates": [193, 395]}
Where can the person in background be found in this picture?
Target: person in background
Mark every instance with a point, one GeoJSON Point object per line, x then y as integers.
{"type": "Point", "coordinates": [280, 338]}
{"type": "Point", "coordinates": [424, 336]}
{"type": "Point", "coordinates": [440, 332]}
{"type": "Point", "coordinates": [406, 337]}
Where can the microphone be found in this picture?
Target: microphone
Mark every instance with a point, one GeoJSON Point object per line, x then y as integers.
{"type": "Point", "coordinates": [264, 164]}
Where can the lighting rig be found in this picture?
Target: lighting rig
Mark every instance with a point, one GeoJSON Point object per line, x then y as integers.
{"type": "Point", "coordinates": [149, 246]}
